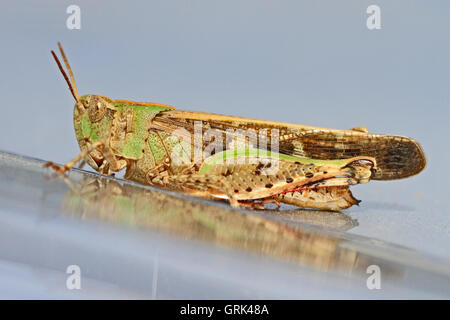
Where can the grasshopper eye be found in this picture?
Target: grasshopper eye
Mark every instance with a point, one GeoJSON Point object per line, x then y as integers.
{"type": "Point", "coordinates": [97, 109]}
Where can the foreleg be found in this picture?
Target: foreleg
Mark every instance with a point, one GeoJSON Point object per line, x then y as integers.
{"type": "Point", "coordinates": [69, 165]}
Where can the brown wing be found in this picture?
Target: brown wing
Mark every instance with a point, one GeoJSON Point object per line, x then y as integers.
{"type": "Point", "coordinates": [397, 157]}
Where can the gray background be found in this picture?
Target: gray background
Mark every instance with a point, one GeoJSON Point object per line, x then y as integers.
{"type": "Point", "coordinates": [311, 62]}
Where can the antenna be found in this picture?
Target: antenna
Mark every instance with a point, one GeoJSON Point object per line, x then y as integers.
{"type": "Point", "coordinates": [72, 87]}
{"type": "Point", "coordinates": [72, 78]}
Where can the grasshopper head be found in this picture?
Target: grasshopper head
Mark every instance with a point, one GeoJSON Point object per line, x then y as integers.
{"type": "Point", "coordinates": [92, 119]}
{"type": "Point", "coordinates": [92, 115]}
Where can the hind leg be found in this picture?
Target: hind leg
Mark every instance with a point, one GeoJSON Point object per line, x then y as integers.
{"type": "Point", "coordinates": [202, 186]}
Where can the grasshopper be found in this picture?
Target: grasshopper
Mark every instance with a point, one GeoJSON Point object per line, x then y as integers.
{"type": "Point", "coordinates": [246, 162]}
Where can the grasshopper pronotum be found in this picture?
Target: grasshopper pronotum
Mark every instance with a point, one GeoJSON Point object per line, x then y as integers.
{"type": "Point", "coordinates": [247, 162]}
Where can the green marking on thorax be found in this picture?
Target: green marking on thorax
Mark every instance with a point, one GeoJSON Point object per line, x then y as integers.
{"type": "Point", "coordinates": [221, 157]}
{"type": "Point", "coordinates": [142, 115]}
